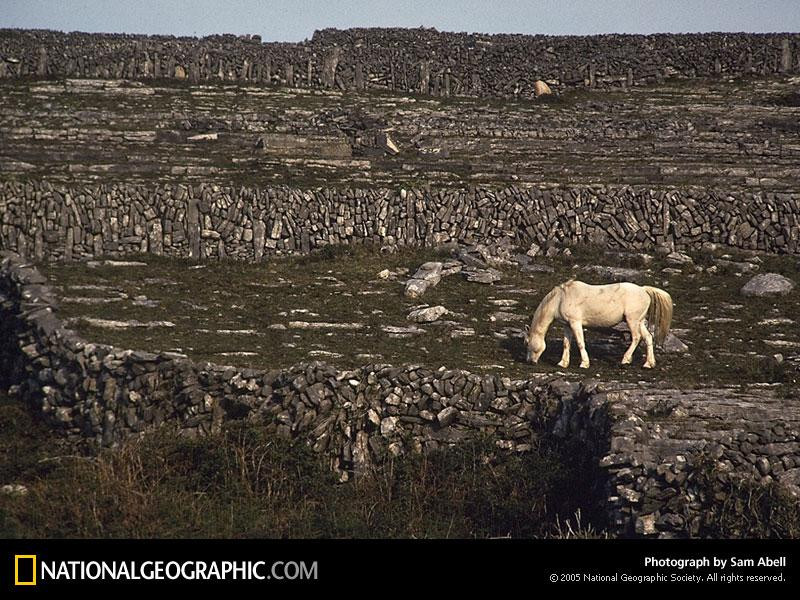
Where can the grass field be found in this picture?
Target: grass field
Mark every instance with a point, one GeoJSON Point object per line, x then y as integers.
{"type": "Point", "coordinates": [247, 315]}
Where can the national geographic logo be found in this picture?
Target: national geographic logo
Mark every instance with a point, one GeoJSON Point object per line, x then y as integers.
{"type": "Point", "coordinates": [24, 569]}
{"type": "Point", "coordinates": [29, 570]}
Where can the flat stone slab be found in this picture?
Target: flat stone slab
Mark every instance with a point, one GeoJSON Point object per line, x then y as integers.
{"type": "Point", "coordinates": [322, 325]}
{"type": "Point", "coordinates": [504, 303]}
{"type": "Point", "coordinates": [482, 275]}
{"type": "Point", "coordinates": [678, 259]}
{"type": "Point", "coordinates": [88, 300]}
{"type": "Point", "coordinates": [237, 331]}
{"type": "Point", "coordinates": [462, 332]}
{"type": "Point", "coordinates": [538, 268]}
{"type": "Point", "coordinates": [776, 321]}
{"type": "Point", "coordinates": [112, 324]}
{"type": "Point", "coordinates": [507, 316]}
{"type": "Point", "coordinates": [324, 354]}
{"type": "Point", "coordinates": [115, 263]}
{"type": "Point", "coordinates": [402, 331]}
{"type": "Point", "coordinates": [616, 274]}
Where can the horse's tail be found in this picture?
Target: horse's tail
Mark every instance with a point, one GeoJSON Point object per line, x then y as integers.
{"type": "Point", "coordinates": [659, 315]}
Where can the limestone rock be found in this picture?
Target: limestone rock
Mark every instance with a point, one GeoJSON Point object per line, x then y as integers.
{"type": "Point", "coordinates": [646, 525]}
{"type": "Point", "coordinates": [386, 142]}
{"type": "Point", "coordinates": [538, 268]}
{"type": "Point", "coordinates": [389, 426]}
{"type": "Point", "coordinates": [394, 331]}
{"type": "Point", "coordinates": [462, 332]}
{"type": "Point", "coordinates": [614, 274]}
{"type": "Point", "coordinates": [678, 259]}
{"type": "Point", "coordinates": [482, 275]}
{"type": "Point", "coordinates": [428, 275]}
{"type": "Point", "coordinates": [13, 489]}
{"type": "Point", "coordinates": [768, 284]}
{"type": "Point", "coordinates": [672, 343]}
{"type": "Point", "coordinates": [427, 314]}
{"type": "Point", "coordinates": [534, 251]}
{"type": "Point", "coordinates": [203, 137]}
{"type": "Point", "coordinates": [540, 88]}
{"type": "Point", "coordinates": [446, 416]}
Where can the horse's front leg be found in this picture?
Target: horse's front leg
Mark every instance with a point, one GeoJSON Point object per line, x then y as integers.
{"type": "Point", "coordinates": [577, 331]}
{"type": "Point", "coordinates": [567, 343]}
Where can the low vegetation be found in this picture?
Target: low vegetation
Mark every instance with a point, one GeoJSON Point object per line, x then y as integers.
{"type": "Point", "coordinates": [241, 483]}
{"type": "Point", "coordinates": [743, 508]}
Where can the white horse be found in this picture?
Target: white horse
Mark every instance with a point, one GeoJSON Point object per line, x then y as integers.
{"type": "Point", "coordinates": [579, 304]}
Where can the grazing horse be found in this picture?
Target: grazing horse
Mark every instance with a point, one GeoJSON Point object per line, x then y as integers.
{"type": "Point", "coordinates": [578, 304]}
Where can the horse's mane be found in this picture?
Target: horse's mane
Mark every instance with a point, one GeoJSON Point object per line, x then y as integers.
{"type": "Point", "coordinates": [545, 301]}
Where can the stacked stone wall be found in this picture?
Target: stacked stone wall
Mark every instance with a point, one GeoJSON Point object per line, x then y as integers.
{"type": "Point", "coordinates": [409, 60]}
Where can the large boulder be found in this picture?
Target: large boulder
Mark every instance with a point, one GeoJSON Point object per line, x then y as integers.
{"type": "Point", "coordinates": [768, 284]}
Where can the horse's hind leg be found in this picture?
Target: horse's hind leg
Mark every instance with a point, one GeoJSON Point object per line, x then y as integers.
{"type": "Point", "coordinates": [634, 325]}
{"type": "Point", "coordinates": [648, 339]}
{"type": "Point", "coordinates": [577, 331]}
{"type": "Point", "coordinates": [565, 353]}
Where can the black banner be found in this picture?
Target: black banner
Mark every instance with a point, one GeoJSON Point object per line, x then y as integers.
{"type": "Point", "coordinates": [29, 565]}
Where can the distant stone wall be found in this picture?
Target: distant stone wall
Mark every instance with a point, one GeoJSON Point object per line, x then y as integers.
{"type": "Point", "coordinates": [43, 221]}
{"type": "Point", "coordinates": [650, 444]}
{"type": "Point", "coordinates": [407, 60]}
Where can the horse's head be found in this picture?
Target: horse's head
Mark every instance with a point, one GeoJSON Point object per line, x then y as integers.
{"type": "Point", "coordinates": [536, 346]}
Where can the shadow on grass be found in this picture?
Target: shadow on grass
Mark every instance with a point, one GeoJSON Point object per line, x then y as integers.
{"type": "Point", "coordinates": [242, 483]}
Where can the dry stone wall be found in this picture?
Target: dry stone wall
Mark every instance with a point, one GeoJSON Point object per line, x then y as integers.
{"type": "Point", "coordinates": [410, 60]}
{"type": "Point", "coordinates": [40, 220]}
{"type": "Point", "coordinates": [674, 455]}
{"type": "Point", "coordinates": [356, 418]}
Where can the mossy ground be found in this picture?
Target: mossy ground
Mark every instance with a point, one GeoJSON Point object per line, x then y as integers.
{"type": "Point", "coordinates": [228, 307]}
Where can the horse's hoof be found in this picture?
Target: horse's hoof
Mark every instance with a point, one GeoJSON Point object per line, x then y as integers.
{"type": "Point", "coordinates": [626, 362]}
{"type": "Point", "coordinates": [649, 365]}
{"type": "Point", "coordinates": [563, 365]}
{"type": "Point", "coordinates": [584, 366]}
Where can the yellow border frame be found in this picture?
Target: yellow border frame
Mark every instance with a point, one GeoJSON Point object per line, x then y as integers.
{"type": "Point", "coordinates": [16, 569]}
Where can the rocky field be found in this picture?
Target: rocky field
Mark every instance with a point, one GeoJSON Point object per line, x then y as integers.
{"type": "Point", "coordinates": [352, 306]}
{"type": "Point", "coordinates": [729, 134]}
{"type": "Point", "coordinates": [320, 292]}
